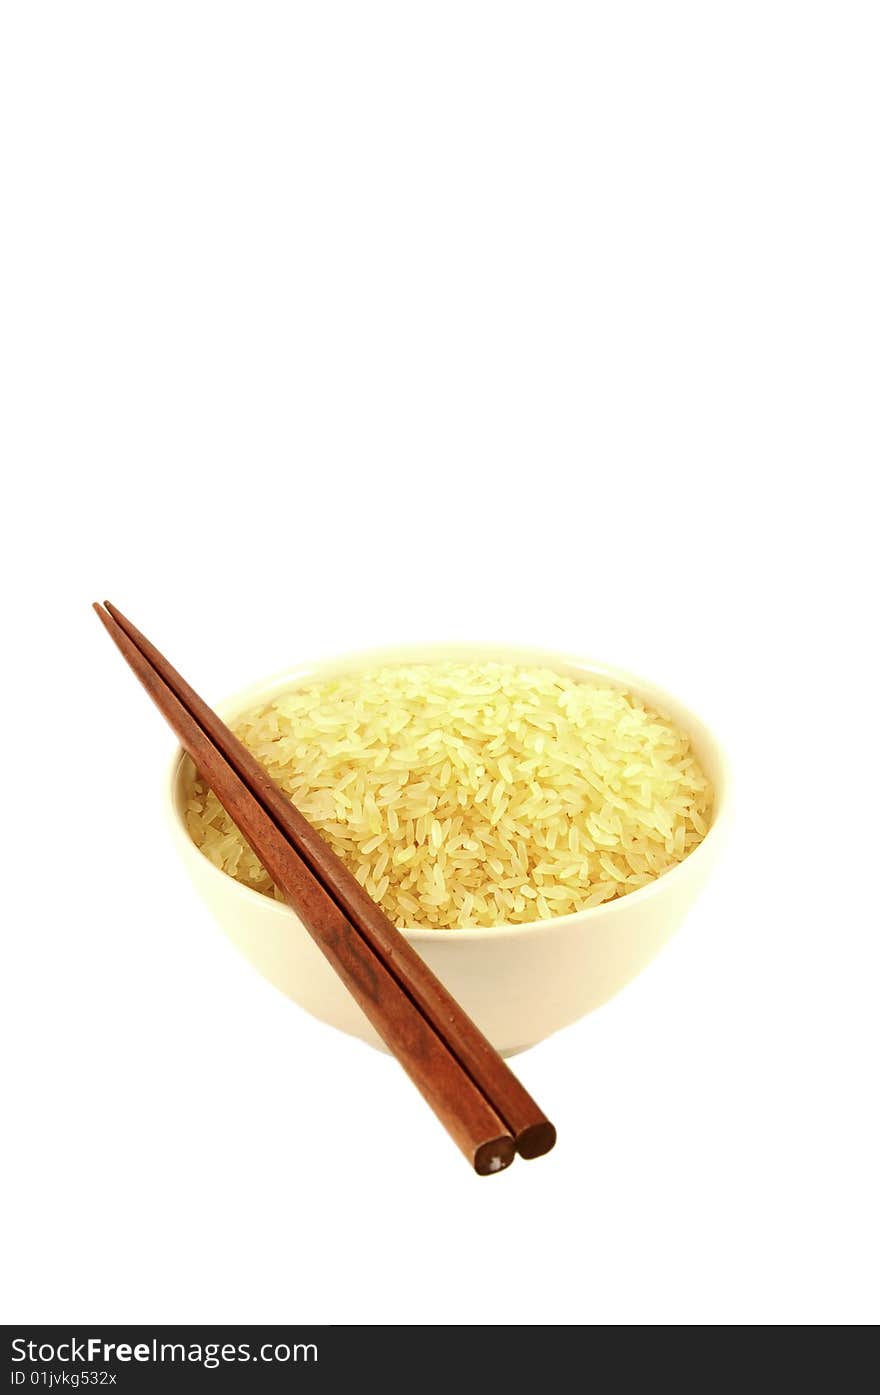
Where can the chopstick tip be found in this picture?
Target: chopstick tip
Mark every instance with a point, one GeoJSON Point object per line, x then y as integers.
{"type": "Point", "coordinates": [494, 1156]}
{"type": "Point", "coordinates": [536, 1140]}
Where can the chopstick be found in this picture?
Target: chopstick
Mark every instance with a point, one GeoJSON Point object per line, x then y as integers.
{"type": "Point", "coordinates": [532, 1131]}
{"type": "Point", "coordinates": [460, 1106]}
{"type": "Point", "coordinates": [471, 1089]}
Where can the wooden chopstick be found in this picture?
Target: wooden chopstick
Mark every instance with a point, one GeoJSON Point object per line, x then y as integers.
{"type": "Point", "coordinates": [531, 1129]}
{"type": "Point", "coordinates": [467, 1115]}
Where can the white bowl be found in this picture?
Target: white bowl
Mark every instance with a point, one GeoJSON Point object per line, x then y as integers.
{"type": "Point", "coordinates": [519, 983]}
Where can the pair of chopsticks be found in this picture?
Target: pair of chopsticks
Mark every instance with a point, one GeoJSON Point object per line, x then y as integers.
{"type": "Point", "coordinates": [470, 1088]}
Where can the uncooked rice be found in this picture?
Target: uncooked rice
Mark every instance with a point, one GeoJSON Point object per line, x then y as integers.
{"type": "Point", "coordinates": [479, 794]}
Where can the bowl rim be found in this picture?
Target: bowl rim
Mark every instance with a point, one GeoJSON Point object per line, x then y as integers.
{"type": "Point", "coordinates": [658, 697]}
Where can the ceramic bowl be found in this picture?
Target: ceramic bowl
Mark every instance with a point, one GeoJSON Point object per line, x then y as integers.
{"type": "Point", "coordinates": [519, 983]}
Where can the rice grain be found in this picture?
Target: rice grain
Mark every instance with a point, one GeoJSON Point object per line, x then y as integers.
{"type": "Point", "coordinates": [538, 795]}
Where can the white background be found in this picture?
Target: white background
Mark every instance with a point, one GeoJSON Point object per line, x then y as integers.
{"type": "Point", "coordinates": [340, 324]}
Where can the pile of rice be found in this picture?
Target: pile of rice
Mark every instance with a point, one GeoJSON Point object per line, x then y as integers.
{"type": "Point", "coordinates": [473, 793]}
